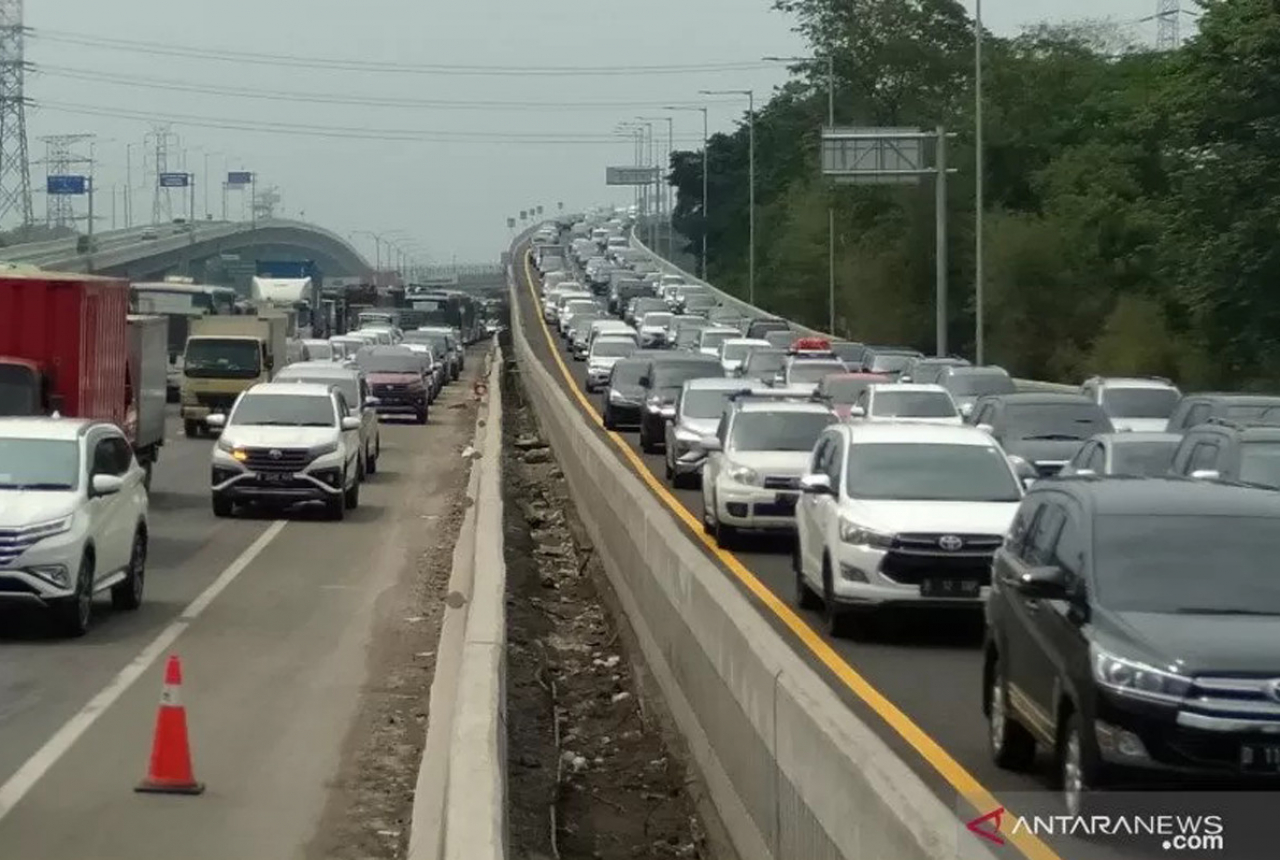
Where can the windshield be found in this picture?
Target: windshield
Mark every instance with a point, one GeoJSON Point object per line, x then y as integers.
{"type": "Point", "coordinates": [738, 351]}
{"type": "Point", "coordinates": [284, 410]}
{"type": "Point", "coordinates": [18, 393]}
{"type": "Point", "coordinates": [1205, 564]}
{"type": "Point", "coordinates": [613, 348]}
{"type": "Point", "coordinates": [347, 385]}
{"type": "Point", "coordinates": [211, 357]}
{"type": "Point", "coordinates": [766, 362]}
{"type": "Point", "coordinates": [1145, 459]}
{"type": "Point", "coordinates": [850, 353]}
{"type": "Point", "coordinates": [713, 339]}
{"type": "Point", "coordinates": [579, 306]}
{"type": "Point", "coordinates": [627, 373]}
{"type": "Point", "coordinates": [656, 319]}
{"type": "Point", "coordinates": [935, 473]}
{"type": "Point", "coordinates": [1064, 421]}
{"type": "Point", "coordinates": [845, 391]}
{"type": "Point", "coordinates": [979, 384]}
{"type": "Point", "coordinates": [778, 431]}
{"type": "Point", "coordinates": [39, 464]}
{"type": "Point", "coordinates": [811, 372]}
{"type": "Point", "coordinates": [1140, 402]}
{"type": "Point", "coordinates": [892, 363]}
{"type": "Point", "coordinates": [672, 374]}
{"type": "Point", "coordinates": [1260, 463]}
{"type": "Point", "coordinates": [912, 404]}
{"type": "Point", "coordinates": [374, 363]}
{"type": "Point", "coordinates": [699, 301]}
{"type": "Point", "coordinates": [704, 403]}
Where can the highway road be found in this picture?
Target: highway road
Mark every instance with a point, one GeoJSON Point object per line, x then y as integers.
{"type": "Point", "coordinates": [285, 628]}
{"type": "Point", "coordinates": [922, 670]}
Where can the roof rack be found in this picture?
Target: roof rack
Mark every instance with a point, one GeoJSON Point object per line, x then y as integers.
{"type": "Point", "coordinates": [1235, 423]}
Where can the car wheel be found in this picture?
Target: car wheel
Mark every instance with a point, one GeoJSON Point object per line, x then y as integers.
{"type": "Point", "coordinates": [351, 498]}
{"type": "Point", "coordinates": [335, 507]}
{"type": "Point", "coordinates": [837, 622]}
{"type": "Point", "coordinates": [804, 596]}
{"type": "Point", "coordinates": [609, 423]}
{"type": "Point", "coordinates": [668, 467]}
{"type": "Point", "coordinates": [191, 429]}
{"type": "Point", "coordinates": [1012, 746]}
{"type": "Point", "coordinates": [128, 594]}
{"type": "Point", "coordinates": [75, 613]}
{"type": "Point", "coordinates": [371, 463]}
{"type": "Point", "coordinates": [147, 469]}
{"type": "Point", "coordinates": [1079, 770]}
{"type": "Point", "coordinates": [646, 443]}
{"type": "Point", "coordinates": [726, 535]}
{"type": "Point", "coordinates": [421, 417]}
{"type": "Point", "coordinates": [222, 506]}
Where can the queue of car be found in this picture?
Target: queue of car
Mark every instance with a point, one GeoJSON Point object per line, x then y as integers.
{"type": "Point", "coordinates": [1116, 538]}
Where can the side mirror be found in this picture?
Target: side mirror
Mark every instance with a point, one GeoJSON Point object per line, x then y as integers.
{"type": "Point", "coordinates": [1084, 472]}
{"type": "Point", "coordinates": [350, 422]}
{"type": "Point", "coordinates": [1043, 583]}
{"type": "Point", "coordinates": [107, 485]}
{"type": "Point", "coordinates": [216, 421]}
{"type": "Point", "coordinates": [857, 412]}
{"type": "Point", "coordinates": [904, 378]}
{"type": "Point", "coordinates": [818, 485]}
{"type": "Point", "coordinates": [1024, 470]}
{"type": "Point", "coordinates": [712, 443]}
{"type": "Point", "coordinates": [986, 428]}
{"type": "Point", "coordinates": [966, 409]}
{"type": "Point", "coordinates": [1206, 474]}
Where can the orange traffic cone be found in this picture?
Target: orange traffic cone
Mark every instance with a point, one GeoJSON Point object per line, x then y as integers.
{"type": "Point", "coordinates": [170, 771]}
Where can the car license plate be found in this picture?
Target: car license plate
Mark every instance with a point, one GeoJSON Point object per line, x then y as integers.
{"type": "Point", "coordinates": [1260, 758]}
{"type": "Point", "coordinates": [950, 588]}
{"type": "Point", "coordinates": [275, 477]}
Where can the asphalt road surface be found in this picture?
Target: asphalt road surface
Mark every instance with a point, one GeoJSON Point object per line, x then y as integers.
{"type": "Point", "coordinates": [275, 622]}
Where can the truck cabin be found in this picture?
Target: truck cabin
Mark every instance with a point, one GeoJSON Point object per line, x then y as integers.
{"type": "Point", "coordinates": [225, 358]}
{"type": "Point", "coordinates": [25, 389]}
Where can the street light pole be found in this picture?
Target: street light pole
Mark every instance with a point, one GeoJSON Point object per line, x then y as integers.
{"type": "Point", "coordinates": [979, 175]}
{"type": "Point", "coordinates": [663, 186]}
{"type": "Point", "coordinates": [831, 211]}
{"type": "Point", "coordinates": [705, 174]}
{"type": "Point", "coordinates": [751, 194]}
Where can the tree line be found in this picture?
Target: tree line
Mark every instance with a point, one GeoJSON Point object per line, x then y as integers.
{"type": "Point", "coordinates": [1132, 198]}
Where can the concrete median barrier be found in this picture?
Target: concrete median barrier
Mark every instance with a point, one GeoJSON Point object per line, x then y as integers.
{"type": "Point", "coordinates": [459, 810]}
{"type": "Point", "coordinates": [793, 771]}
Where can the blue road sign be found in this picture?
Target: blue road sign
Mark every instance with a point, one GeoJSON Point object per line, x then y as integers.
{"type": "Point", "coordinates": [239, 177]}
{"type": "Point", "coordinates": [175, 180]}
{"type": "Point", "coordinates": [66, 184]}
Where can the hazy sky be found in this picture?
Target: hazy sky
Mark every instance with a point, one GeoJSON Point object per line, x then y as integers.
{"type": "Point", "coordinates": [391, 151]}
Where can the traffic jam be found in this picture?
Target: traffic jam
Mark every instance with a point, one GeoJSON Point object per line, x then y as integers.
{"type": "Point", "coordinates": [291, 384]}
{"type": "Point", "coordinates": [1117, 537]}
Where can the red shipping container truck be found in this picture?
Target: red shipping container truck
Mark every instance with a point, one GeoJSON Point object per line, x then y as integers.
{"type": "Point", "coordinates": [63, 346]}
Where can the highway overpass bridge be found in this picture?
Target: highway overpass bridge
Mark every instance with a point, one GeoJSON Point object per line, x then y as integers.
{"type": "Point", "coordinates": [213, 251]}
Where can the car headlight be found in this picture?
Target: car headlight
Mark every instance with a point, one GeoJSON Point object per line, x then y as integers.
{"type": "Point", "coordinates": [237, 452]}
{"type": "Point", "coordinates": [49, 528]}
{"type": "Point", "coordinates": [321, 450]}
{"type": "Point", "coordinates": [742, 474]}
{"type": "Point", "coordinates": [852, 533]}
{"type": "Point", "coordinates": [1136, 679]}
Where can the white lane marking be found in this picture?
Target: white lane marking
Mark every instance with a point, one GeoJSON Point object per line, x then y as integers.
{"type": "Point", "coordinates": [43, 759]}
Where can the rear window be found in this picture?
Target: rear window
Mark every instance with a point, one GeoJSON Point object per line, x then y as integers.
{"type": "Point", "coordinates": [845, 391]}
{"type": "Point", "coordinates": [1145, 459]}
{"type": "Point", "coordinates": [913, 404]}
{"type": "Point", "coordinates": [1260, 463]}
{"type": "Point", "coordinates": [1056, 421]}
{"type": "Point", "coordinates": [1140, 402]}
{"type": "Point", "coordinates": [613, 348]}
{"type": "Point", "coordinates": [704, 403]}
{"type": "Point", "coordinates": [978, 384]}
{"type": "Point", "coordinates": [672, 374]}
{"type": "Point", "coordinates": [778, 431]}
{"type": "Point", "coordinates": [811, 372]}
{"type": "Point", "coordinates": [627, 373]}
{"type": "Point", "coordinates": [766, 362]}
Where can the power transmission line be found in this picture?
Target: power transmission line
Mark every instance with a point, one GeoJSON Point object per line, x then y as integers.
{"type": "Point", "coordinates": [15, 167]}
{"type": "Point", "coordinates": [335, 132]}
{"type": "Point", "coordinates": [166, 49]}
{"type": "Point", "coordinates": [323, 98]}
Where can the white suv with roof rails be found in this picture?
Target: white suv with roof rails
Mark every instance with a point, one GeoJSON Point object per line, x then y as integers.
{"type": "Point", "coordinates": [751, 478]}
{"type": "Point", "coordinates": [285, 443]}
{"type": "Point", "coordinates": [1140, 405]}
{"type": "Point", "coordinates": [900, 514]}
{"type": "Point", "coordinates": [73, 518]}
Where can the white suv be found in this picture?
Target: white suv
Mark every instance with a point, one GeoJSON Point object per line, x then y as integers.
{"type": "Point", "coordinates": [894, 514]}
{"type": "Point", "coordinates": [288, 442]}
{"type": "Point", "coordinates": [1139, 405]}
{"type": "Point", "coordinates": [926, 404]}
{"type": "Point", "coordinates": [751, 478]}
{"type": "Point", "coordinates": [73, 518]}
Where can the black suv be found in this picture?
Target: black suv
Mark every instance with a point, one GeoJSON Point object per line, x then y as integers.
{"type": "Point", "coordinates": [1223, 450]}
{"type": "Point", "coordinates": [661, 384]}
{"type": "Point", "coordinates": [1195, 409]}
{"type": "Point", "coordinates": [1043, 429]}
{"type": "Point", "coordinates": [1132, 626]}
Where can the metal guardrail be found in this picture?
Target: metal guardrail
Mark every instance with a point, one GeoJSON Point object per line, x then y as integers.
{"type": "Point", "coordinates": [751, 310]}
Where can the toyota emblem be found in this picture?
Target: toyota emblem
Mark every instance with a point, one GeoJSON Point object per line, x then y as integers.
{"type": "Point", "coordinates": [1273, 689]}
{"type": "Point", "coordinates": [950, 543]}
{"type": "Point", "coordinates": [275, 454]}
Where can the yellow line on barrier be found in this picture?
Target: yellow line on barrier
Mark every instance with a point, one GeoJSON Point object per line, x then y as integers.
{"type": "Point", "coordinates": [952, 771]}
